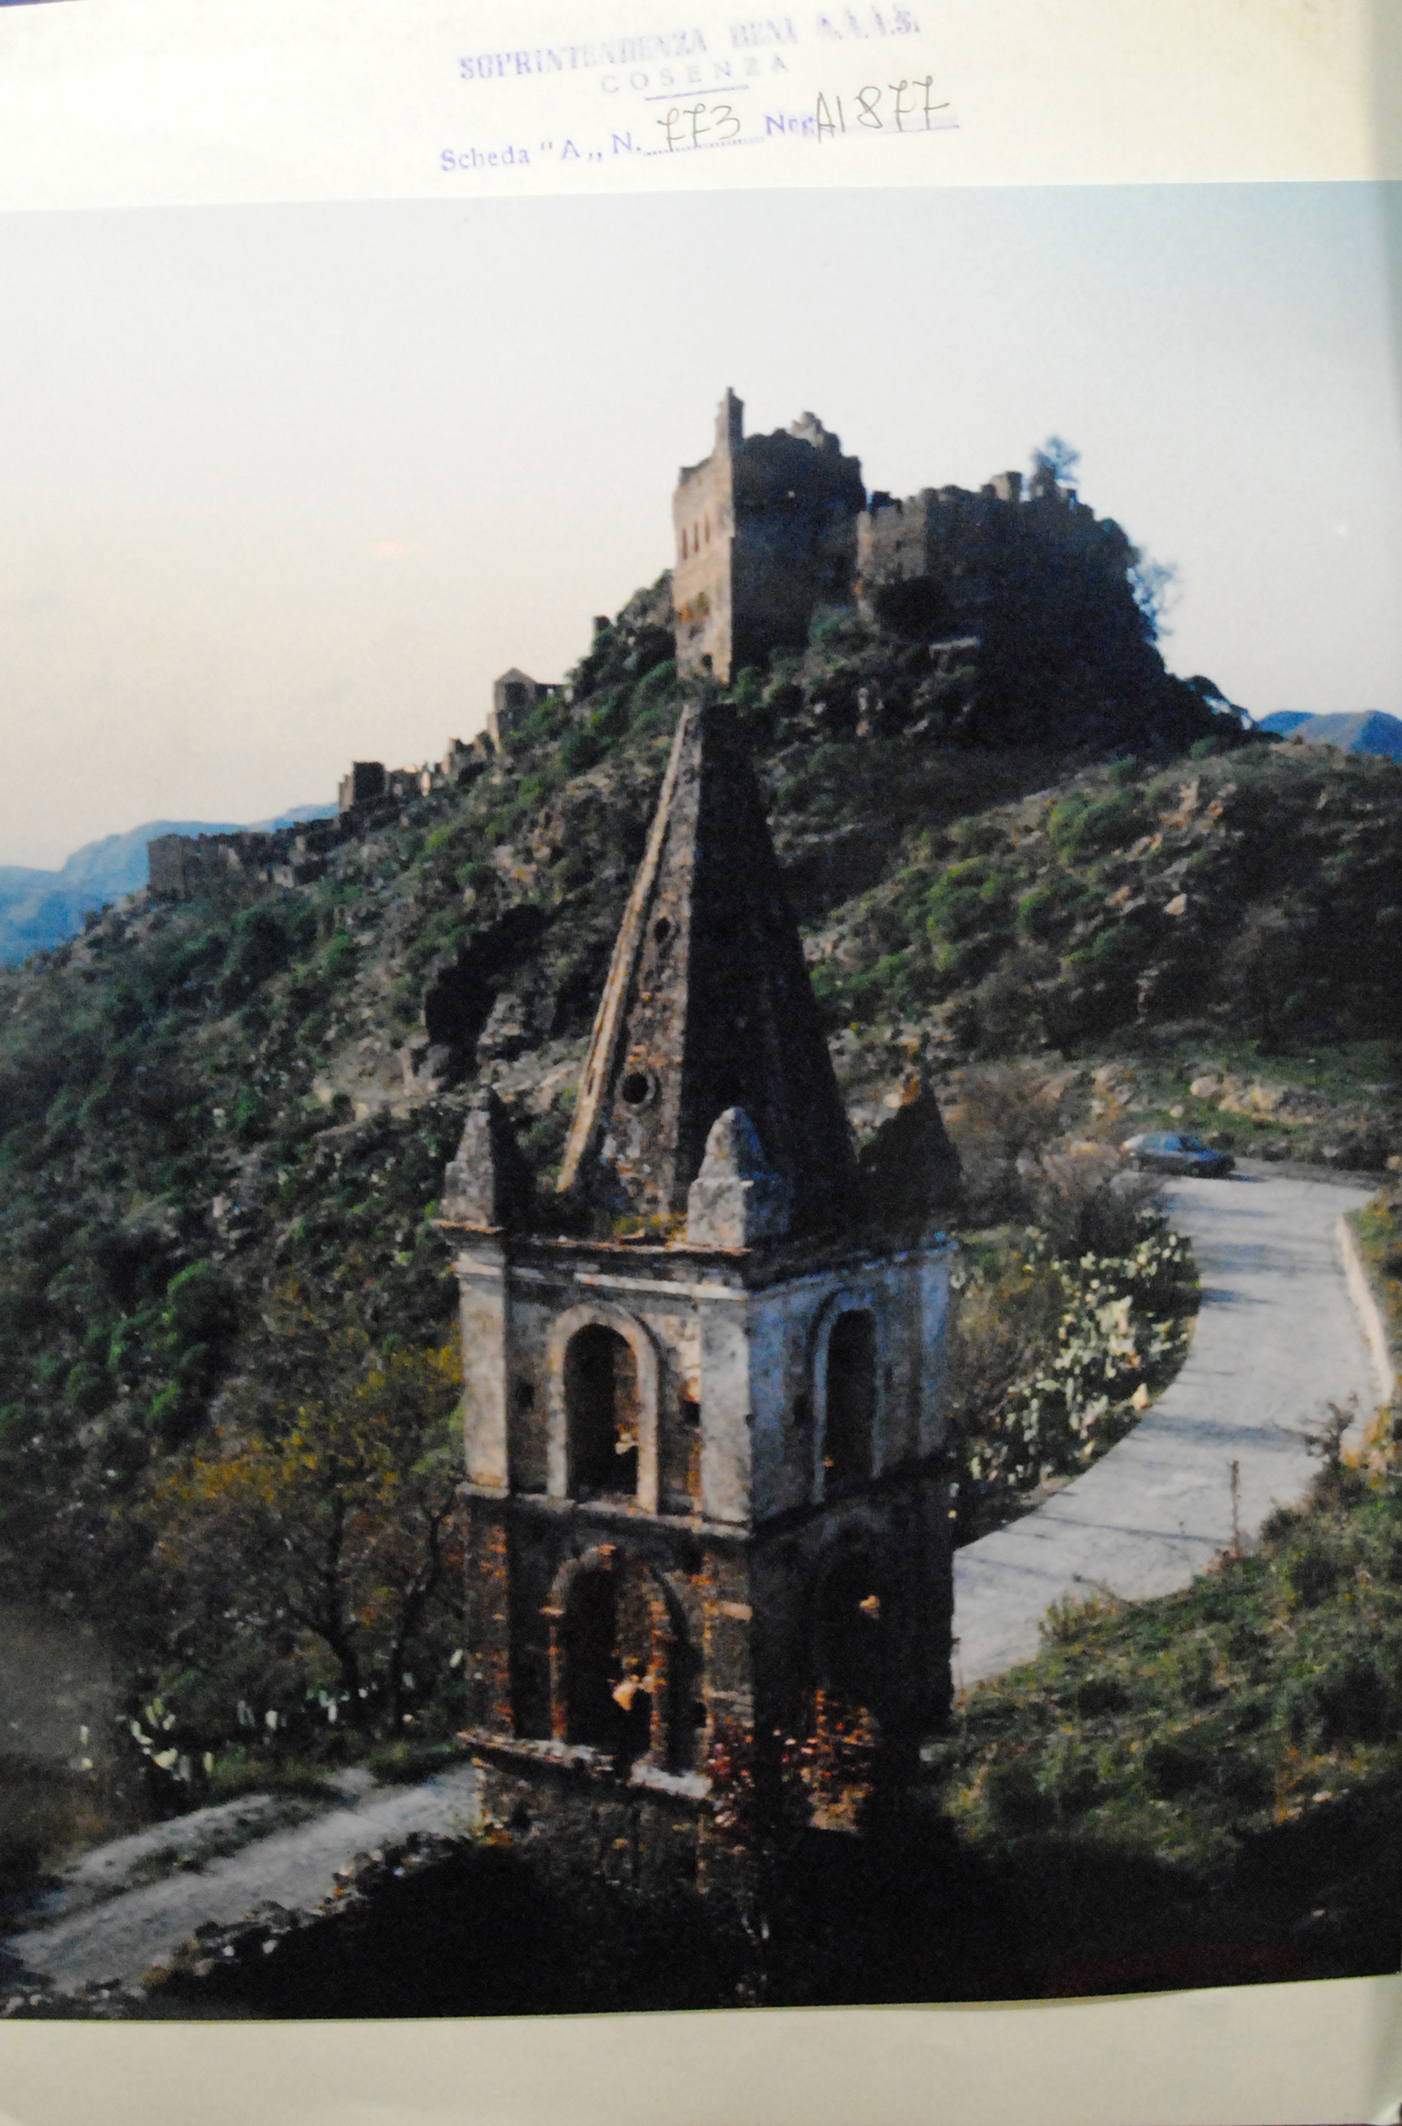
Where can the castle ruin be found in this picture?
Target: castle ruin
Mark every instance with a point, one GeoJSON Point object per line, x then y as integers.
{"type": "Point", "coordinates": [369, 795]}
{"type": "Point", "coordinates": [1035, 591]}
{"type": "Point", "coordinates": [514, 695]}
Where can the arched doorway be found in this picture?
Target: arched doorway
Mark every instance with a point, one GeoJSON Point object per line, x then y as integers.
{"type": "Point", "coordinates": [850, 1420]}
{"type": "Point", "coordinates": [852, 1629]}
{"type": "Point", "coordinates": [850, 1660]}
{"type": "Point", "coordinates": [624, 1672]}
{"type": "Point", "coordinates": [590, 1668]}
{"type": "Point", "coordinates": [601, 1414]}
{"type": "Point", "coordinates": [607, 1699]}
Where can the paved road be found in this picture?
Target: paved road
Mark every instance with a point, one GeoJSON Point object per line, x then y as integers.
{"type": "Point", "coordinates": [138, 1928]}
{"type": "Point", "coordinates": [1276, 1339]}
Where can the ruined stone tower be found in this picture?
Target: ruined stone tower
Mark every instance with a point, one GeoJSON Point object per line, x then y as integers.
{"type": "Point", "coordinates": [765, 531]}
{"type": "Point", "coordinates": [705, 1424]}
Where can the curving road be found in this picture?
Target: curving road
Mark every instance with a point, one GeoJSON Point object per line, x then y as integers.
{"type": "Point", "coordinates": [1277, 1338]}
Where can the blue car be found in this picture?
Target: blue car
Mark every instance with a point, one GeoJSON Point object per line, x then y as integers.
{"type": "Point", "coordinates": [1165, 1151]}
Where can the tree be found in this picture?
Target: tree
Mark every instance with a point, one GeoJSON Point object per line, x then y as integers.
{"type": "Point", "coordinates": [1054, 465]}
{"type": "Point", "coordinates": [1155, 588]}
{"type": "Point", "coordinates": [303, 1552]}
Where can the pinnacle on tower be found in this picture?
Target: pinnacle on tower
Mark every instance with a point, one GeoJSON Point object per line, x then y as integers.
{"type": "Point", "coordinates": [489, 1182]}
{"type": "Point", "coordinates": [708, 1007]}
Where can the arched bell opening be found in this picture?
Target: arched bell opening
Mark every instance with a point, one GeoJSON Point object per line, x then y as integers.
{"type": "Point", "coordinates": [624, 1675]}
{"type": "Point", "coordinates": [849, 1430]}
{"type": "Point", "coordinates": [851, 1661]}
{"type": "Point", "coordinates": [589, 1670]}
{"type": "Point", "coordinates": [601, 1414]}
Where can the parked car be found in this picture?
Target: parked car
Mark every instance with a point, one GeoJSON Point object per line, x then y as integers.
{"type": "Point", "coordinates": [1165, 1151]}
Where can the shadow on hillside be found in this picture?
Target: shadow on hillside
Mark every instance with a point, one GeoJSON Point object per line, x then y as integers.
{"type": "Point", "coordinates": [914, 1917]}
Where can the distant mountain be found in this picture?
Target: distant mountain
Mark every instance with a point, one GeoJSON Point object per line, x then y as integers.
{"type": "Point", "coordinates": [42, 908]}
{"type": "Point", "coordinates": [1285, 720]}
{"type": "Point", "coordinates": [1365, 731]}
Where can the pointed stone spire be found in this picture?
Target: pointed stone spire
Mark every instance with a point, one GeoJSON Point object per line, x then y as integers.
{"type": "Point", "coordinates": [708, 1006]}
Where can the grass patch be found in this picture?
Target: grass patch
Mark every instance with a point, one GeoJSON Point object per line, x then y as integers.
{"type": "Point", "coordinates": [1234, 1750]}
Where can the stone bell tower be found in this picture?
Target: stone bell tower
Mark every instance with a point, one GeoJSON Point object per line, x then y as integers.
{"type": "Point", "coordinates": [704, 1406]}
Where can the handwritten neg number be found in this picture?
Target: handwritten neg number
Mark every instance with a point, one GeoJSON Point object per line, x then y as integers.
{"type": "Point", "coordinates": [869, 114]}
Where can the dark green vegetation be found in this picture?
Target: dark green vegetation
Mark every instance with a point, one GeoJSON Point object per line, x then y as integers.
{"type": "Point", "coordinates": [223, 1124]}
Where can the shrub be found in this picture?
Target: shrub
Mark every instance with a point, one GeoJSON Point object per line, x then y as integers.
{"type": "Point", "coordinates": [1013, 1798]}
{"type": "Point", "coordinates": [1054, 1360]}
{"type": "Point", "coordinates": [580, 749]}
{"type": "Point", "coordinates": [263, 942]}
{"type": "Point", "coordinates": [1174, 1766]}
{"type": "Point", "coordinates": [1352, 1697]}
{"type": "Point", "coordinates": [340, 956]}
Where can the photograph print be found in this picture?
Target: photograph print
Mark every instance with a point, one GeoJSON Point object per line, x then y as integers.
{"type": "Point", "coordinates": [699, 1107]}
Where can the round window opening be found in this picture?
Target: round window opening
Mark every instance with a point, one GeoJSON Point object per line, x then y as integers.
{"type": "Point", "coordinates": [636, 1087]}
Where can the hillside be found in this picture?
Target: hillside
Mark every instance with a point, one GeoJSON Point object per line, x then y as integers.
{"type": "Point", "coordinates": [225, 1120]}
{"type": "Point", "coordinates": [40, 909]}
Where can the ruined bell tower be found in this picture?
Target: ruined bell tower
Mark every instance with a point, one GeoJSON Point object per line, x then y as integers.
{"type": "Point", "coordinates": [705, 1406]}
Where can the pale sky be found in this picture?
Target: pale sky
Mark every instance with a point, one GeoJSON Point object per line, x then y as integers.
{"type": "Point", "coordinates": [284, 486]}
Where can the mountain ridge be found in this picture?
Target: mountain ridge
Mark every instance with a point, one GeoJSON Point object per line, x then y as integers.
{"type": "Point", "coordinates": [1355, 731]}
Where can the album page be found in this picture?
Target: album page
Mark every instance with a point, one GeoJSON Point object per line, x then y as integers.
{"type": "Point", "coordinates": [699, 1110]}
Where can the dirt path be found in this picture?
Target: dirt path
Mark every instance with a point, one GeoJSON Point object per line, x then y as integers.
{"type": "Point", "coordinates": [73, 1940]}
{"type": "Point", "coordinates": [1277, 1338]}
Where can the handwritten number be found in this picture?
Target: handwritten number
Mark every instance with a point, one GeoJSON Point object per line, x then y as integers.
{"type": "Point", "coordinates": [823, 121]}
{"type": "Point", "coordinates": [684, 124]}
{"type": "Point", "coordinates": [912, 99]}
{"type": "Point", "coordinates": [928, 86]}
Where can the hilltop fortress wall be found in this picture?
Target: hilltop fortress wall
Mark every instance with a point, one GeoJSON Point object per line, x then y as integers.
{"type": "Point", "coordinates": [1032, 588]}
{"type": "Point", "coordinates": [369, 795]}
{"type": "Point", "coordinates": [771, 529]}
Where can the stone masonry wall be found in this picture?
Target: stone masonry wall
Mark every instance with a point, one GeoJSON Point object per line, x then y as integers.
{"type": "Point", "coordinates": [703, 522]}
